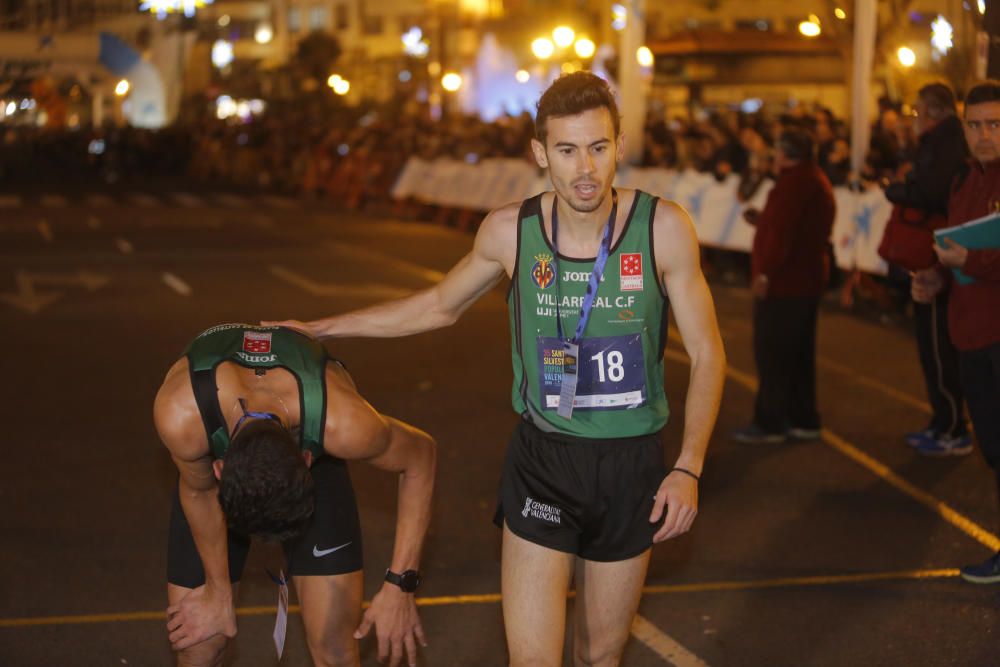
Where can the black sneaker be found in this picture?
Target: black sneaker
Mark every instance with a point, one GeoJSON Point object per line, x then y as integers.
{"type": "Point", "coordinates": [987, 572]}
{"type": "Point", "coordinates": [755, 435]}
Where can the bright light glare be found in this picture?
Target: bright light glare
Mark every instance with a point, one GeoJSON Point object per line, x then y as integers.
{"type": "Point", "coordinates": [941, 35]}
{"type": "Point", "coordinates": [263, 34]}
{"type": "Point", "coordinates": [584, 47]}
{"type": "Point", "coordinates": [224, 20]}
{"type": "Point", "coordinates": [907, 58]}
{"type": "Point", "coordinates": [543, 48]}
{"type": "Point", "coordinates": [222, 53]}
{"type": "Point", "coordinates": [11, 108]}
{"type": "Point", "coordinates": [412, 36]}
{"type": "Point", "coordinates": [809, 29]}
{"type": "Point", "coordinates": [225, 106]}
{"type": "Point", "coordinates": [563, 36]}
{"type": "Point", "coordinates": [334, 78]}
{"type": "Point", "coordinates": [982, 7]}
{"type": "Point", "coordinates": [644, 56]}
{"type": "Point", "coordinates": [522, 76]}
{"type": "Point", "coordinates": [840, 13]}
{"type": "Point", "coordinates": [451, 82]}
{"type": "Point", "coordinates": [341, 86]}
{"type": "Point", "coordinates": [619, 15]}
{"type": "Point", "coordinates": [122, 88]}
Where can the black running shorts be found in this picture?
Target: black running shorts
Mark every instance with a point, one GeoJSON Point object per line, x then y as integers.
{"type": "Point", "coordinates": [591, 498]}
{"type": "Point", "coordinates": [331, 543]}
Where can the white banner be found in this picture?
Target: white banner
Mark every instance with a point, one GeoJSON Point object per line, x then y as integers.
{"type": "Point", "coordinates": [713, 205]}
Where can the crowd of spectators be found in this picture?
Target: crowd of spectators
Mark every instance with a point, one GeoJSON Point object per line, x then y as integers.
{"type": "Point", "coordinates": [353, 156]}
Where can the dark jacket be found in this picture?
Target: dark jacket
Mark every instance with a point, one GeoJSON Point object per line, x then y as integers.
{"type": "Point", "coordinates": [941, 153]}
{"type": "Point", "coordinates": [793, 232]}
{"type": "Point", "coordinates": [974, 310]}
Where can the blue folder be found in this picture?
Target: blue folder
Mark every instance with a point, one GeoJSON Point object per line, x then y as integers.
{"type": "Point", "coordinates": [976, 234]}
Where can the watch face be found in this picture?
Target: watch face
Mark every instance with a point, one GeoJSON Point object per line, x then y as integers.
{"type": "Point", "coordinates": [409, 581]}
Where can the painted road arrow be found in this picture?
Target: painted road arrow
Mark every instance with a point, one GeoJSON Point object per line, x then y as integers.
{"type": "Point", "coordinates": [30, 300]}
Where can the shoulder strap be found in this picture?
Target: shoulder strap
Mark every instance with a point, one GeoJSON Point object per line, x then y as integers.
{"type": "Point", "coordinates": [207, 398]}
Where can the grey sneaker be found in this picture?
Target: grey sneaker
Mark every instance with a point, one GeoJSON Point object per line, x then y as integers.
{"type": "Point", "coordinates": [945, 446]}
{"type": "Point", "coordinates": [804, 434]}
{"type": "Point", "coordinates": [987, 572]}
{"type": "Point", "coordinates": [755, 435]}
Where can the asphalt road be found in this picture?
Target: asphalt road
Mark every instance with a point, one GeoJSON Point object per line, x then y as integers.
{"type": "Point", "coordinates": [840, 552]}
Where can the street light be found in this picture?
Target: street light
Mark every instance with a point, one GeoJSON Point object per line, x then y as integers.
{"type": "Point", "coordinates": [941, 35]}
{"type": "Point", "coordinates": [121, 90]}
{"type": "Point", "coordinates": [563, 36]}
{"type": "Point", "coordinates": [644, 56]}
{"type": "Point", "coordinates": [341, 86]}
{"type": "Point", "coordinates": [263, 34]}
{"type": "Point", "coordinates": [840, 13]}
{"type": "Point", "coordinates": [906, 56]}
{"type": "Point", "coordinates": [451, 82]}
{"type": "Point", "coordinates": [222, 53]}
{"type": "Point", "coordinates": [584, 47]}
{"type": "Point", "coordinates": [543, 48]}
{"type": "Point", "coordinates": [810, 28]}
{"type": "Point", "coordinates": [522, 76]}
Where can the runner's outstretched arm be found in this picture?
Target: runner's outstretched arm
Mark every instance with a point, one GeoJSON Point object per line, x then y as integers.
{"type": "Point", "coordinates": [435, 307]}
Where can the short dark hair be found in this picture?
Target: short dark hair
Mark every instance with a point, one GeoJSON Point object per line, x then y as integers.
{"type": "Point", "coordinates": [796, 144]}
{"type": "Point", "coordinates": [987, 91]}
{"type": "Point", "coordinates": [265, 489]}
{"type": "Point", "coordinates": [572, 94]}
{"type": "Point", "coordinates": [939, 98]}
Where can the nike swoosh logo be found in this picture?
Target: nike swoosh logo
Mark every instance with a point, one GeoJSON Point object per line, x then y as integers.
{"type": "Point", "coordinates": [319, 554]}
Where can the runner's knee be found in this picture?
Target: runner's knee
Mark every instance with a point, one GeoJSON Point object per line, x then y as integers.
{"type": "Point", "coordinates": [208, 653]}
{"type": "Point", "coordinates": [330, 649]}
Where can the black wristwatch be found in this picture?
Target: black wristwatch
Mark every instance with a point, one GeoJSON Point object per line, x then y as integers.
{"type": "Point", "coordinates": [407, 581]}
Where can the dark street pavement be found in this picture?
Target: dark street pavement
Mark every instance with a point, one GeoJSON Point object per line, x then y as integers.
{"type": "Point", "coordinates": [834, 553]}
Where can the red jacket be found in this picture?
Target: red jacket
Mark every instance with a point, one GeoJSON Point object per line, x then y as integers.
{"type": "Point", "coordinates": [974, 310]}
{"type": "Point", "coordinates": [790, 246]}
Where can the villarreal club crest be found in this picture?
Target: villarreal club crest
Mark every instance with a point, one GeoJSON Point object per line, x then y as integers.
{"type": "Point", "coordinates": [542, 272]}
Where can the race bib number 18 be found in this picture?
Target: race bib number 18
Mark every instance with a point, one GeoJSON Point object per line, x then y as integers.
{"type": "Point", "coordinates": [609, 374]}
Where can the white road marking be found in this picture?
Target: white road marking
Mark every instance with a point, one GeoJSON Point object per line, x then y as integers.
{"type": "Point", "coordinates": [314, 288]}
{"type": "Point", "coordinates": [186, 199]}
{"type": "Point", "coordinates": [664, 645]}
{"type": "Point", "coordinates": [124, 246]}
{"type": "Point", "coordinates": [280, 202]}
{"type": "Point", "coordinates": [422, 272]}
{"type": "Point", "coordinates": [144, 200]}
{"type": "Point", "coordinates": [101, 201]}
{"type": "Point", "coordinates": [231, 200]}
{"type": "Point", "coordinates": [45, 229]}
{"type": "Point", "coordinates": [176, 284]}
{"type": "Point", "coordinates": [53, 201]}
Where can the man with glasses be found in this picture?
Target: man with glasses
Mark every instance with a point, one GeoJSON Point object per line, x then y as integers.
{"type": "Point", "coordinates": [974, 308]}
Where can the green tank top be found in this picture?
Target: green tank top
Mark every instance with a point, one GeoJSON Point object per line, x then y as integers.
{"type": "Point", "coordinates": [259, 347]}
{"type": "Point", "coordinates": [620, 383]}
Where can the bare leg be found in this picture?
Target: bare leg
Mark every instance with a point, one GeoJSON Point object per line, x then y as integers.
{"type": "Point", "coordinates": [208, 653]}
{"type": "Point", "coordinates": [607, 598]}
{"type": "Point", "coordinates": [533, 583]}
{"type": "Point", "coordinates": [331, 611]}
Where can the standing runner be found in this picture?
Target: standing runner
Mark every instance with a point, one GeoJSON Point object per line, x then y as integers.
{"type": "Point", "coordinates": [584, 488]}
